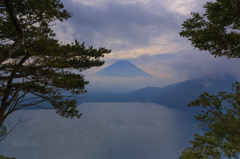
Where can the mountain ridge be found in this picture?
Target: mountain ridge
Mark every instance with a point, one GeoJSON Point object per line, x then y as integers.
{"type": "Point", "coordinates": [177, 95]}
{"type": "Point", "coordinates": [123, 68]}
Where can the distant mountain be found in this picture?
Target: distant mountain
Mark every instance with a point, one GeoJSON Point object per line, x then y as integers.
{"type": "Point", "coordinates": [185, 92]}
{"type": "Point", "coordinates": [177, 95]}
{"type": "Point", "coordinates": [123, 69]}
{"type": "Point", "coordinates": [149, 94]}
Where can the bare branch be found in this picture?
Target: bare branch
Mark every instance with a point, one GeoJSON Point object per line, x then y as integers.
{"type": "Point", "coordinates": [236, 6]}
{"type": "Point", "coordinates": [11, 129]}
{"type": "Point", "coordinates": [14, 96]}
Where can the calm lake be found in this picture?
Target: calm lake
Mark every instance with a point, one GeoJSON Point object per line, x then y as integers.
{"type": "Point", "coordinates": [105, 131]}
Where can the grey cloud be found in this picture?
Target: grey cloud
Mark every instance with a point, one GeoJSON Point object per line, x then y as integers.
{"type": "Point", "coordinates": [196, 64]}
{"type": "Point", "coordinates": [118, 26]}
{"type": "Point", "coordinates": [167, 69]}
{"type": "Point", "coordinates": [150, 58]}
{"type": "Point", "coordinates": [142, 60]}
{"type": "Point", "coordinates": [171, 68]}
{"type": "Point", "coordinates": [151, 64]}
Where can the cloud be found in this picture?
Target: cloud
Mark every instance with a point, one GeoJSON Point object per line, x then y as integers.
{"type": "Point", "coordinates": [183, 7]}
{"type": "Point", "coordinates": [207, 83]}
{"type": "Point", "coordinates": [127, 28]}
{"type": "Point", "coordinates": [151, 64]}
{"type": "Point", "coordinates": [136, 30]}
{"type": "Point", "coordinates": [122, 84]}
{"type": "Point", "coordinates": [196, 64]}
{"type": "Point", "coordinates": [166, 68]}
{"type": "Point", "coordinates": [130, 28]}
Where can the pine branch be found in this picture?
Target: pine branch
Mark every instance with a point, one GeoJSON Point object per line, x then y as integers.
{"type": "Point", "coordinates": [20, 40]}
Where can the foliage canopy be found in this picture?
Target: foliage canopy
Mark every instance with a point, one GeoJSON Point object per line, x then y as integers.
{"type": "Point", "coordinates": [222, 113]}
{"type": "Point", "coordinates": [4, 157]}
{"type": "Point", "coordinates": [216, 31]}
{"type": "Point", "coordinates": [33, 63]}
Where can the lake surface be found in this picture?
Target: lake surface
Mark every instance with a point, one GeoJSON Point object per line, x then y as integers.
{"type": "Point", "coordinates": [105, 131]}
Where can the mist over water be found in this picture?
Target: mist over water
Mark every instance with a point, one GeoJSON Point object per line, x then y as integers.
{"type": "Point", "coordinates": [105, 131]}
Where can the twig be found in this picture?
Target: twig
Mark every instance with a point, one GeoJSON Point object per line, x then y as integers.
{"type": "Point", "coordinates": [11, 129]}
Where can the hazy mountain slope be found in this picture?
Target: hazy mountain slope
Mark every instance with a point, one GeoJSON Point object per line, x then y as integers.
{"type": "Point", "coordinates": [149, 94]}
{"type": "Point", "coordinates": [176, 95]}
{"type": "Point", "coordinates": [185, 92]}
{"type": "Point", "coordinates": [123, 69]}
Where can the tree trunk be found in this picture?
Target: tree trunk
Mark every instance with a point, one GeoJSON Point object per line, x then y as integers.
{"type": "Point", "coordinates": [2, 116]}
{"type": "Point", "coordinates": [20, 40]}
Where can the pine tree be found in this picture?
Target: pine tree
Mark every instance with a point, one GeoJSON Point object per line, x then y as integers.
{"type": "Point", "coordinates": [216, 31]}
{"type": "Point", "coordinates": [34, 64]}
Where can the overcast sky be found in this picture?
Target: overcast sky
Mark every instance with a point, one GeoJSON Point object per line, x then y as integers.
{"type": "Point", "coordinates": [145, 32]}
{"type": "Point", "coordinates": [130, 28]}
